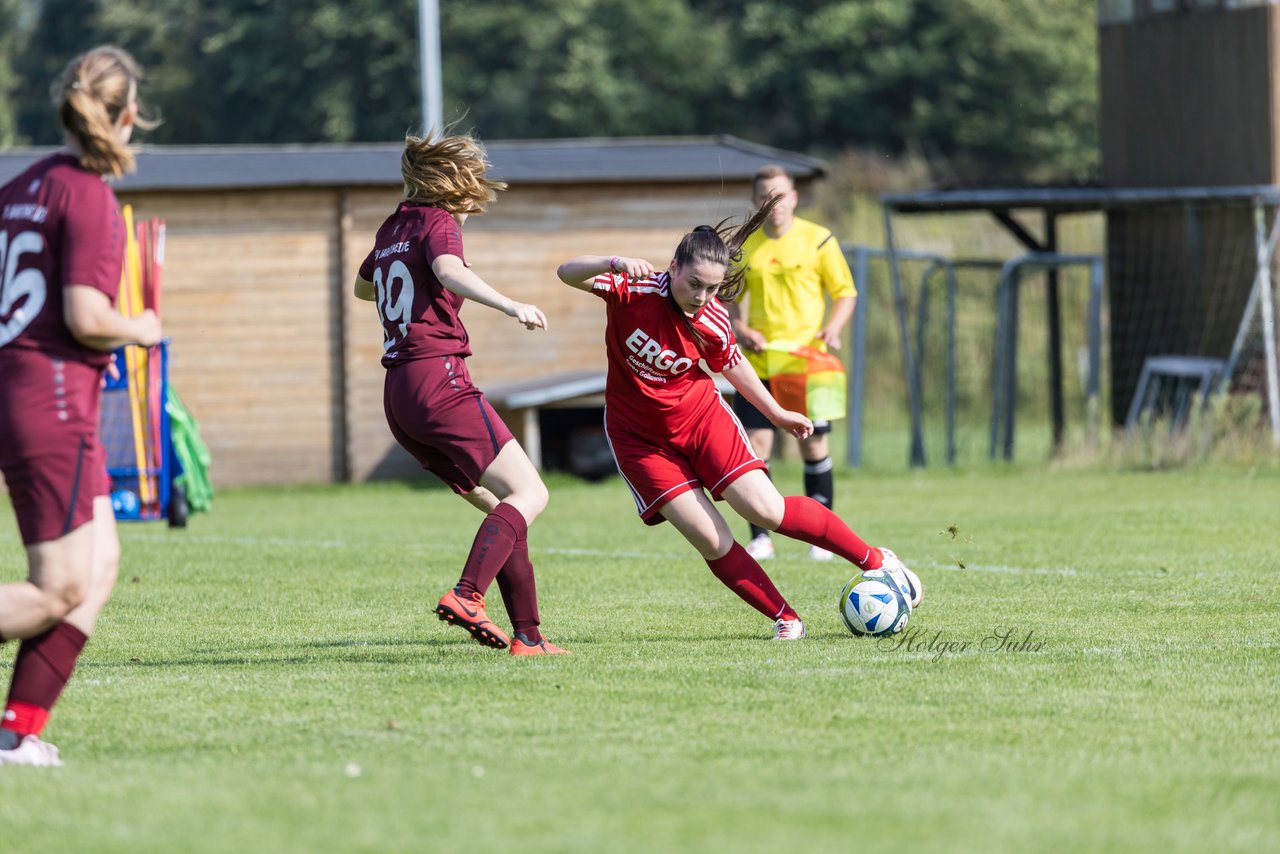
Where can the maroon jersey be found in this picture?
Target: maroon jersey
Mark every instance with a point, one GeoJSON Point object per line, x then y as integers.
{"type": "Point", "coordinates": [59, 225]}
{"type": "Point", "coordinates": [419, 315]}
{"type": "Point", "coordinates": [655, 385]}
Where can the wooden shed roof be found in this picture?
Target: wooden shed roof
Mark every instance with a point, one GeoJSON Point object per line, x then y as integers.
{"type": "Point", "coordinates": [561, 161]}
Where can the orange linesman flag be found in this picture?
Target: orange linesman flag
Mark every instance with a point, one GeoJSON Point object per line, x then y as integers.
{"type": "Point", "coordinates": [806, 379]}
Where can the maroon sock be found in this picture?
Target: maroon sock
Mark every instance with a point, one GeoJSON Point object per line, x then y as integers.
{"type": "Point", "coordinates": [498, 533]}
{"type": "Point", "coordinates": [739, 571]}
{"type": "Point", "coordinates": [41, 670]}
{"type": "Point", "coordinates": [808, 521]}
{"type": "Point", "coordinates": [519, 592]}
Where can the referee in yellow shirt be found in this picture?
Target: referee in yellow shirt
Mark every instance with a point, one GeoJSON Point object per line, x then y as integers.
{"type": "Point", "coordinates": [790, 264]}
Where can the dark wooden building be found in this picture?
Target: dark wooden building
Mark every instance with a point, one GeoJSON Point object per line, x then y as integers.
{"type": "Point", "coordinates": [1189, 98]}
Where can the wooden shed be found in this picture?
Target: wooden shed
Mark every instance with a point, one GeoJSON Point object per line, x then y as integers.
{"type": "Point", "coordinates": [277, 359]}
{"type": "Point", "coordinates": [1190, 97]}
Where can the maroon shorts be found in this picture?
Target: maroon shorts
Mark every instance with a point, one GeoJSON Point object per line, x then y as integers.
{"type": "Point", "coordinates": [711, 455]}
{"type": "Point", "coordinates": [439, 417]}
{"type": "Point", "coordinates": [53, 464]}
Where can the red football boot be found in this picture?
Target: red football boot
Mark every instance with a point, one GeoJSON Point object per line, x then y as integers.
{"type": "Point", "coordinates": [521, 646]}
{"type": "Point", "coordinates": [469, 613]}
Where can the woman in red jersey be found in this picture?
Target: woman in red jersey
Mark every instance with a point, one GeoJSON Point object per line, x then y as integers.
{"type": "Point", "coordinates": [671, 432]}
{"type": "Point", "coordinates": [417, 275]}
{"type": "Point", "coordinates": [61, 251]}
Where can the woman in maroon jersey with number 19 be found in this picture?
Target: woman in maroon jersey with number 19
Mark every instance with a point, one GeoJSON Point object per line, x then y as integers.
{"type": "Point", "coordinates": [671, 432]}
{"type": "Point", "coordinates": [419, 278]}
{"type": "Point", "coordinates": [61, 252]}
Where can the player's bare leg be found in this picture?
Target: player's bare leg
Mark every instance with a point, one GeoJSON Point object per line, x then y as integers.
{"type": "Point", "coordinates": [47, 659]}
{"type": "Point", "coordinates": [699, 522]}
{"type": "Point", "coordinates": [513, 478]}
{"type": "Point", "coordinates": [58, 574]}
{"type": "Point", "coordinates": [106, 568]}
{"type": "Point", "coordinates": [481, 499]}
{"type": "Point", "coordinates": [760, 546]}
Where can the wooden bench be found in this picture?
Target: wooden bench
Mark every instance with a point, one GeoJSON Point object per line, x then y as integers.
{"type": "Point", "coordinates": [519, 403]}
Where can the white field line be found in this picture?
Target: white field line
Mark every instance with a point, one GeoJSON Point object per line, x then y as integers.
{"type": "Point", "coordinates": [997, 568]}
{"type": "Point", "coordinates": [460, 547]}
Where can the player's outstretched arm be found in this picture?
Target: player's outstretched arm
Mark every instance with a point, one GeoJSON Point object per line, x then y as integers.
{"type": "Point", "coordinates": [579, 272]}
{"type": "Point", "coordinates": [364, 290]}
{"type": "Point", "coordinates": [96, 323]}
{"type": "Point", "coordinates": [455, 276]}
{"type": "Point", "coordinates": [743, 378]}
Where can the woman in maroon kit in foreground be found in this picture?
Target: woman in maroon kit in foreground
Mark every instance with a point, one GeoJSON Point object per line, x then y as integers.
{"type": "Point", "coordinates": [61, 251]}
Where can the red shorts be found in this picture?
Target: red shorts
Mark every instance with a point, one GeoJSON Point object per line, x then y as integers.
{"type": "Point", "coordinates": [53, 464]}
{"type": "Point", "coordinates": [712, 455]}
{"type": "Point", "coordinates": [439, 417]}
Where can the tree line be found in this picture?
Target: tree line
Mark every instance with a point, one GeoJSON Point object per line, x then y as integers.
{"type": "Point", "coordinates": [992, 88]}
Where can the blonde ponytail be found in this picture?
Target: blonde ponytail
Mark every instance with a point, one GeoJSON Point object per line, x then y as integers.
{"type": "Point", "coordinates": [94, 90]}
{"type": "Point", "coordinates": [447, 172]}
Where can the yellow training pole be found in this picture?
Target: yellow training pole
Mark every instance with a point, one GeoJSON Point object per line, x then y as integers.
{"type": "Point", "coordinates": [131, 306]}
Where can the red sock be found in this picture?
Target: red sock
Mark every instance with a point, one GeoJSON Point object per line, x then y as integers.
{"type": "Point", "coordinates": [41, 670]}
{"type": "Point", "coordinates": [808, 521]}
{"type": "Point", "coordinates": [519, 592]}
{"type": "Point", "coordinates": [739, 571]}
{"type": "Point", "coordinates": [491, 548]}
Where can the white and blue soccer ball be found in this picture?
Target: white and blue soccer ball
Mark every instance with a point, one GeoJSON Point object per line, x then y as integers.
{"type": "Point", "coordinates": [874, 603]}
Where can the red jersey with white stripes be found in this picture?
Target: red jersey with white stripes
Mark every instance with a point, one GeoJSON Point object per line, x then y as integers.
{"type": "Point", "coordinates": [655, 384]}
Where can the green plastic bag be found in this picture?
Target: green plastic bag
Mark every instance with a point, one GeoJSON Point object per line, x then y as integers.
{"type": "Point", "coordinates": [191, 452]}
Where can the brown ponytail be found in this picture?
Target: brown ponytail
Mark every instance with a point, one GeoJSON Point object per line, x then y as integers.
{"type": "Point", "coordinates": [722, 244]}
{"type": "Point", "coordinates": [718, 244]}
{"type": "Point", "coordinates": [94, 90]}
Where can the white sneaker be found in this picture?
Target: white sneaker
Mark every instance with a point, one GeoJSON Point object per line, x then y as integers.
{"type": "Point", "coordinates": [788, 630]}
{"type": "Point", "coordinates": [761, 547]}
{"type": "Point", "coordinates": [907, 580]}
{"type": "Point", "coordinates": [32, 751]}
{"type": "Point", "coordinates": [819, 553]}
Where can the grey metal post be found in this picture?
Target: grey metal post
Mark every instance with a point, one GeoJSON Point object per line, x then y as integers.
{"type": "Point", "coordinates": [1250, 306]}
{"type": "Point", "coordinates": [949, 269]}
{"type": "Point", "coordinates": [1093, 386]}
{"type": "Point", "coordinates": [1053, 308]}
{"type": "Point", "coordinates": [951, 364]}
{"type": "Point", "coordinates": [1004, 371]}
{"type": "Point", "coordinates": [922, 328]}
{"type": "Point", "coordinates": [429, 66]}
{"type": "Point", "coordinates": [1011, 362]}
{"type": "Point", "coordinates": [904, 335]}
{"type": "Point", "coordinates": [1266, 299]}
{"type": "Point", "coordinates": [857, 376]}
{"type": "Point", "coordinates": [998, 355]}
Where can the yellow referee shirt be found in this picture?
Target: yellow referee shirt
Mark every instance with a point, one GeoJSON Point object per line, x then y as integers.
{"type": "Point", "coordinates": [785, 281]}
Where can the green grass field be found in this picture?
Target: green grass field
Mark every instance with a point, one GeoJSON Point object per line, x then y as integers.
{"type": "Point", "coordinates": [272, 679]}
